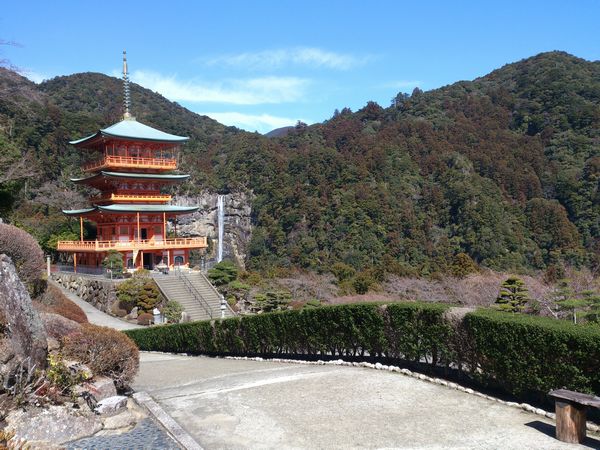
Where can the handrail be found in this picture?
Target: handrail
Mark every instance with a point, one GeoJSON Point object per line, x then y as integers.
{"type": "Point", "coordinates": [218, 293]}
{"type": "Point", "coordinates": [135, 161]}
{"type": "Point", "coordinates": [131, 244]}
{"type": "Point", "coordinates": [132, 197]}
{"type": "Point", "coordinates": [197, 296]}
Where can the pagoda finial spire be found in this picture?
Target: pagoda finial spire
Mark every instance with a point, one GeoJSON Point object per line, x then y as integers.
{"type": "Point", "coordinates": [126, 99]}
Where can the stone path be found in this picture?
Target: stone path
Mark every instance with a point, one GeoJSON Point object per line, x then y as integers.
{"type": "Point", "coordinates": [94, 315]}
{"type": "Point", "coordinates": [226, 403]}
{"type": "Point", "coordinates": [146, 435]}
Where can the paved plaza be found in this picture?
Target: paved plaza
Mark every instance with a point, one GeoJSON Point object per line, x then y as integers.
{"type": "Point", "coordinates": [237, 404]}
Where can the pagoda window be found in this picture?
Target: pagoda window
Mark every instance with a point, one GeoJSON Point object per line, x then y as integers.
{"type": "Point", "coordinates": [178, 260]}
{"type": "Point", "coordinates": [124, 230]}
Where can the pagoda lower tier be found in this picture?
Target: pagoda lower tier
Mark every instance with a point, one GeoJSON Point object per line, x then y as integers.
{"type": "Point", "coordinates": [138, 232]}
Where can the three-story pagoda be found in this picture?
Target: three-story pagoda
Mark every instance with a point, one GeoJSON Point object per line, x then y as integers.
{"type": "Point", "coordinates": [134, 161]}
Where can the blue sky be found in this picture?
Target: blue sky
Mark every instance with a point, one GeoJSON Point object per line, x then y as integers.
{"type": "Point", "coordinates": [260, 65]}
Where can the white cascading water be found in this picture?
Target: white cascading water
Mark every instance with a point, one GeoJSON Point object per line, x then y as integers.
{"type": "Point", "coordinates": [220, 224]}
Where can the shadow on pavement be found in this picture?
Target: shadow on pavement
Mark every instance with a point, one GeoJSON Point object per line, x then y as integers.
{"type": "Point", "coordinates": [549, 430]}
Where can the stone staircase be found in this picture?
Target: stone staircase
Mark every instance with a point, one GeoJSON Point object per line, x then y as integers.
{"type": "Point", "coordinates": [194, 293]}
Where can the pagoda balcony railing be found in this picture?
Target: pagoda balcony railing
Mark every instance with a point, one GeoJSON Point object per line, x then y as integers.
{"type": "Point", "coordinates": [132, 198]}
{"type": "Point", "coordinates": [114, 161]}
{"type": "Point", "coordinates": [144, 244]}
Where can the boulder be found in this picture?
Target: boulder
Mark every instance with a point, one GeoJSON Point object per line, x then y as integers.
{"type": "Point", "coordinates": [24, 347]}
{"type": "Point", "coordinates": [100, 388]}
{"type": "Point", "coordinates": [57, 326]}
{"type": "Point", "coordinates": [111, 405]}
{"type": "Point", "coordinates": [46, 427]}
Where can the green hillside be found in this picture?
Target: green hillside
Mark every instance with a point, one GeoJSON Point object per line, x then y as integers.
{"type": "Point", "coordinates": [503, 168]}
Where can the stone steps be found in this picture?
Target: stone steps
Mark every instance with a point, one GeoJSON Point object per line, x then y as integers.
{"type": "Point", "coordinates": [174, 288]}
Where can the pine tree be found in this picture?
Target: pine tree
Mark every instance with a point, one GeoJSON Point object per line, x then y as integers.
{"type": "Point", "coordinates": [513, 295]}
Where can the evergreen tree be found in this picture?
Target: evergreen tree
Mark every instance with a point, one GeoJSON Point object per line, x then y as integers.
{"type": "Point", "coordinates": [513, 295]}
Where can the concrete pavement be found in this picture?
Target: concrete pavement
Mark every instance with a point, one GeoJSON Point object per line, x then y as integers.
{"type": "Point", "coordinates": [95, 316]}
{"type": "Point", "coordinates": [249, 404]}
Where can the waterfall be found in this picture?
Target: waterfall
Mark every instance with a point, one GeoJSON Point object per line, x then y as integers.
{"type": "Point", "coordinates": [220, 225]}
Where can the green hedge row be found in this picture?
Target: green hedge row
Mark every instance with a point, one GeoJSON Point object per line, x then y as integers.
{"type": "Point", "coordinates": [517, 353]}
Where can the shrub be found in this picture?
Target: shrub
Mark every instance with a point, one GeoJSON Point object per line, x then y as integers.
{"type": "Point", "coordinates": [140, 291]}
{"type": "Point", "coordinates": [172, 311]}
{"type": "Point", "coordinates": [223, 273]}
{"type": "Point", "coordinates": [145, 318]}
{"type": "Point", "coordinates": [114, 262]}
{"type": "Point", "coordinates": [105, 351]}
{"type": "Point", "coordinates": [55, 301]}
{"type": "Point", "coordinates": [525, 353]}
{"type": "Point", "coordinates": [522, 355]}
{"type": "Point", "coordinates": [513, 295]}
{"type": "Point", "coordinates": [26, 255]}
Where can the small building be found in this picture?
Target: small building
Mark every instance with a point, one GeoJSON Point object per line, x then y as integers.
{"type": "Point", "coordinates": [132, 163]}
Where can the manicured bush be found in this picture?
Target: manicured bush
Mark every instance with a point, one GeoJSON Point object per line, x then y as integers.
{"type": "Point", "coordinates": [522, 355]}
{"type": "Point", "coordinates": [145, 318]}
{"type": "Point", "coordinates": [106, 351]}
{"type": "Point", "coordinates": [140, 290]}
{"type": "Point", "coordinates": [55, 301]}
{"type": "Point", "coordinates": [172, 311]}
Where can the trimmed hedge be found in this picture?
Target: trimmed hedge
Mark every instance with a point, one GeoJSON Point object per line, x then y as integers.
{"type": "Point", "coordinates": [526, 353]}
{"type": "Point", "coordinates": [522, 355]}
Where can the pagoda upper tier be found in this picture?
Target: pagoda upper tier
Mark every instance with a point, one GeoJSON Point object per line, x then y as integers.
{"type": "Point", "coordinates": [130, 144]}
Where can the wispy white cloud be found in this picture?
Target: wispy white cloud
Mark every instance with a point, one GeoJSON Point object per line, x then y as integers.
{"type": "Point", "coordinates": [36, 77]}
{"type": "Point", "coordinates": [305, 56]}
{"type": "Point", "coordinates": [252, 91]}
{"type": "Point", "coordinates": [262, 123]}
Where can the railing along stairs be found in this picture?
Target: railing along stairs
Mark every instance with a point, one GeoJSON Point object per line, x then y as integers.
{"type": "Point", "coordinates": [194, 292]}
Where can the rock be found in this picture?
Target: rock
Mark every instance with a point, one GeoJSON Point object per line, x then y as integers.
{"type": "Point", "coordinates": [24, 341]}
{"type": "Point", "coordinates": [469, 391]}
{"type": "Point", "coordinates": [44, 427]}
{"type": "Point", "coordinates": [134, 313]}
{"type": "Point", "coordinates": [79, 369]}
{"type": "Point", "coordinates": [204, 222]}
{"type": "Point", "coordinates": [57, 326]}
{"type": "Point", "coordinates": [53, 344]}
{"type": "Point", "coordinates": [111, 405]}
{"type": "Point", "coordinates": [540, 412]}
{"type": "Point", "coordinates": [100, 388]}
{"type": "Point", "coordinates": [185, 317]}
{"type": "Point", "coordinates": [453, 385]}
{"type": "Point", "coordinates": [124, 419]}
{"type": "Point", "coordinates": [550, 415]}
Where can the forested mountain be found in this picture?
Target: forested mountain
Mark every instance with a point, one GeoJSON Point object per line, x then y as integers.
{"type": "Point", "coordinates": [504, 168]}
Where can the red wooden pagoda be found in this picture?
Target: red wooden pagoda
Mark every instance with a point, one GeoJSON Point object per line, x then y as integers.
{"type": "Point", "coordinates": [134, 162]}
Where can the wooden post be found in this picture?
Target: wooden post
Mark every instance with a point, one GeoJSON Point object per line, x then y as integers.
{"type": "Point", "coordinates": [81, 228]}
{"type": "Point", "coordinates": [74, 262]}
{"type": "Point", "coordinates": [138, 227]}
{"type": "Point", "coordinates": [141, 266]}
{"type": "Point", "coordinates": [570, 421]}
{"type": "Point", "coordinates": [164, 226]}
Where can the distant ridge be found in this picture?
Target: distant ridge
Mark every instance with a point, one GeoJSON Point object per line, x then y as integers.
{"type": "Point", "coordinates": [279, 132]}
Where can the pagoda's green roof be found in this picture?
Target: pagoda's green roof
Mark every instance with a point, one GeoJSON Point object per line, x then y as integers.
{"type": "Point", "coordinates": [120, 208]}
{"type": "Point", "coordinates": [132, 129]}
{"type": "Point", "coordinates": [137, 176]}
{"type": "Point", "coordinates": [78, 212]}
